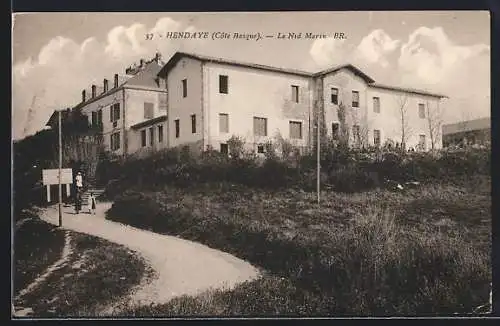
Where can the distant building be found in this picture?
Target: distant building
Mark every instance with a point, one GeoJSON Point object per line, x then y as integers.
{"type": "Point", "coordinates": [468, 132]}
{"type": "Point", "coordinates": [130, 110]}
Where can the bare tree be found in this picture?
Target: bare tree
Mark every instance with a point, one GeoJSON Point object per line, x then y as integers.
{"type": "Point", "coordinates": [434, 123]}
{"type": "Point", "coordinates": [403, 114]}
{"type": "Point", "coordinates": [343, 125]}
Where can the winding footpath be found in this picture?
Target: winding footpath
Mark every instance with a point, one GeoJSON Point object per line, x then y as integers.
{"type": "Point", "coordinates": [181, 267]}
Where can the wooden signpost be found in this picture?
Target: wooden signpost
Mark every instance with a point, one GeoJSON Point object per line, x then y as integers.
{"type": "Point", "coordinates": [51, 177]}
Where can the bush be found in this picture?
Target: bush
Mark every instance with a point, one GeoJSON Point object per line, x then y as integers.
{"type": "Point", "coordinates": [347, 170]}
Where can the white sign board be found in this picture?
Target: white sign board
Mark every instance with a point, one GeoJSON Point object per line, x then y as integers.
{"type": "Point", "coordinates": [51, 176]}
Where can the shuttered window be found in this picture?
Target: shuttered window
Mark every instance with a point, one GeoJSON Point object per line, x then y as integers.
{"type": "Point", "coordinates": [148, 110]}
{"type": "Point", "coordinates": [223, 122]}
{"type": "Point", "coordinates": [295, 130]}
{"type": "Point", "coordinates": [259, 126]}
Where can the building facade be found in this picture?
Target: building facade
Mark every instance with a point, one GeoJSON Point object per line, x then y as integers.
{"type": "Point", "coordinates": [201, 102]}
{"type": "Point", "coordinates": [131, 111]}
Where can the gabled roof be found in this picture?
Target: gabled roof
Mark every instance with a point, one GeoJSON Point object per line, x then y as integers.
{"type": "Point", "coordinates": [178, 55]}
{"type": "Point", "coordinates": [147, 77]}
{"type": "Point", "coordinates": [406, 90]}
{"type": "Point", "coordinates": [350, 67]}
{"type": "Point", "coordinates": [370, 81]}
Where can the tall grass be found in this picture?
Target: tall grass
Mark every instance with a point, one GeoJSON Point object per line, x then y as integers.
{"type": "Point", "coordinates": [357, 255]}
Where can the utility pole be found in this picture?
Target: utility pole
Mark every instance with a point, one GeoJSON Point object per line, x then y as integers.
{"type": "Point", "coordinates": [60, 167]}
{"type": "Point", "coordinates": [318, 158]}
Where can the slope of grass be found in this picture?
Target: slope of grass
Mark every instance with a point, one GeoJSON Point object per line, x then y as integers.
{"type": "Point", "coordinates": [37, 245]}
{"type": "Point", "coordinates": [96, 274]}
{"type": "Point", "coordinates": [377, 252]}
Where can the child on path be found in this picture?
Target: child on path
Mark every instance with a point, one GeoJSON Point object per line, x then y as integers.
{"type": "Point", "coordinates": [92, 203]}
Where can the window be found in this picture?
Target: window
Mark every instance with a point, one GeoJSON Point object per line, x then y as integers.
{"type": "Point", "coordinates": [335, 131]}
{"type": "Point", "coordinates": [223, 122]}
{"type": "Point", "coordinates": [184, 88]}
{"type": "Point", "coordinates": [421, 111]}
{"type": "Point", "coordinates": [260, 148]}
{"type": "Point", "coordinates": [151, 136]}
{"type": "Point", "coordinates": [335, 95]}
{"type": "Point", "coordinates": [356, 134]}
{"type": "Point", "coordinates": [114, 112]}
{"type": "Point", "coordinates": [223, 84]}
{"type": "Point", "coordinates": [355, 99]}
{"type": "Point", "coordinates": [177, 128]}
{"type": "Point", "coordinates": [259, 126]}
{"type": "Point", "coordinates": [295, 130]}
{"type": "Point", "coordinates": [94, 118]}
{"type": "Point", "coordinates": [148, 110]}
{"type": "Point", "coordinates": [99, 117]}
{"type": "Point", "coordinates": [143, 138]}
{"type": "Point", "coordinates": [193, 123]}
{"type": "Point", "coordinates": [224, 149]}
{"type": "Point", "coordinates": [421, 142]}
{"type": "Point", "coordinates": [376, 105]}
{"type": "Point", "coordinates": [295, 93]}
{"type": "Point", "coordinates": [160, 133]}
{"type": "Point", "coordinates": [115, 141]}
{"type": "Point", "coordinates": [376, 137]}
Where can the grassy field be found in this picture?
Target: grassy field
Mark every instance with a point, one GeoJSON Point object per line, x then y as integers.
{"type": "Point", "coordinates": [96, 273]}
{"type": "Point", "coordinates": [37, 245]}
{"type": "Point", "coordinates": [416, 251]}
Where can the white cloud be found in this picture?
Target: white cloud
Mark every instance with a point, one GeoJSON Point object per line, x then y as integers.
{"type": "Point", "coordinates": [376, 46]}
{"type": "Point", "coordinates": [63, 68]}
{"type": "Point", "coordinates": [328, 51]}
{"type": "Point", "coordinates": [430, 59]}
{"type": "Point", "coordinates": [430, 55]}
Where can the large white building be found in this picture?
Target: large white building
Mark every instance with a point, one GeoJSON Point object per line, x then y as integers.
{"type": "Point", "coordinates": [202, 101]}
{"type": "Point", "coordinates": [211, 99]}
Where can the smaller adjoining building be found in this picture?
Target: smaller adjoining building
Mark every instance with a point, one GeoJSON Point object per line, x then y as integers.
{"type": "Point", "coordinates": [470, 132]}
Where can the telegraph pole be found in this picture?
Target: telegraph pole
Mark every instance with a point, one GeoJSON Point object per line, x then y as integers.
{"type": "Point", "coordinates": [318, 157]}
{"type": "Point", "coordinates": [60, 167]}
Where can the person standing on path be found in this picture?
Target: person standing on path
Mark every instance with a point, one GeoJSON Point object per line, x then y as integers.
{"type": "Point", "coordinates": [92, 203]}
{"type": "Point", "coordinates": [79, 189]}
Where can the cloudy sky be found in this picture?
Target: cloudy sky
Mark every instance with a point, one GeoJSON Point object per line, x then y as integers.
{"type": "Point", "coordinates": [56, 55]}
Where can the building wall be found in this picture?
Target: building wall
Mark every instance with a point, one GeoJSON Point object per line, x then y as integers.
{"type": "Point", "coordinates": [182, 108]}
{"type": "Point", "coordinates": [346, 82]}
{"type": "Point", "coordinates": [388, 121]}
{"type": "Point", "coordinates": [105, 104]}
{"type": "Point", "coordinates": [135, 139]}
{"type": "Point", "coordinates": [254, 93]}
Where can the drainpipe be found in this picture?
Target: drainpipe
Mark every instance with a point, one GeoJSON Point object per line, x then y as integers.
{"type": "Point", "coordinates": [125, 136]}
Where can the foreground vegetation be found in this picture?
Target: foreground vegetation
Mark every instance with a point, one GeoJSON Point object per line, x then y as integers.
{"type": "Point", "coordinates": [96, 273]}
{"type": "Point", "coordinates": [424, 250]}
{"type": "Point", "coordinates": [37, 245]}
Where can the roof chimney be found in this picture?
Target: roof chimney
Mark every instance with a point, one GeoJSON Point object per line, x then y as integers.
{"type": "Point", "coordinates": [83, 96]}
{"type": "Point", "coordinates": [93, 91]}
{"type": "Point", "coordinates": [158, 57]}
{"type": "Point", "coordinates": [105, 85]}
{"type": "Point", "coordinates": [116, 81]}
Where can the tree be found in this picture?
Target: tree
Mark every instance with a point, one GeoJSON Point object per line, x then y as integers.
{"type": "Point", "coordinates": [343, 125]}
{"type": "Point", "coordinates": [434, 123]}
{"type": "Point", "coordinates": [403, 115]}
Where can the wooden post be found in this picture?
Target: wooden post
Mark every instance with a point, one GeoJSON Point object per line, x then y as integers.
{"type": "Point", "coordinates": [318, 158]}
{"type": "Point", "coordinates": [48, 193]}
{"type": "Point", "coordinates": [67, 190]}
{"type": "Point", "coordinates": [60, 167]}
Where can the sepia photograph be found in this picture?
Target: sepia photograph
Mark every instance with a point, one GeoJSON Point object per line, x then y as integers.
{"type": "Point", "coordinates": [251, 164]}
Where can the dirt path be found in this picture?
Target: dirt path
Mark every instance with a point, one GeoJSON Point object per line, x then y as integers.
{"type": "Point", "coordinates": [181, 266]}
